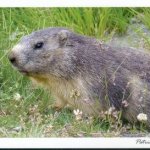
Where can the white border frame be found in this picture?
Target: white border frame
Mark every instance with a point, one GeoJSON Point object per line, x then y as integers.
{"type": "Point", "coordinates": [75, 142]}
{"type": "Point", "coordinates": [75, 3]}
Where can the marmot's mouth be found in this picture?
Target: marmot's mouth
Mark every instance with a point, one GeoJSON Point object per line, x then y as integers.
{"type": "Point", "coordinates": [24, 72]}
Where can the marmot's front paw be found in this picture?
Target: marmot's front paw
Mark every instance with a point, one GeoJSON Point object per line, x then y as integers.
{"type": "Point", "coordinates": [57, 107]}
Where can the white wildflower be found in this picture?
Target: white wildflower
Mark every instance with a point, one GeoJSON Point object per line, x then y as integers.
{"type": "Point", "coordinates": [142, 117]}
{"type": "Point", "coordinates": [75, 94]}
{"type": "Point", "coordinates": [17, 129]}
{"type": "Point", "coordinates": [115, 114]}
{"type": "Point", "coordinates": [13, 36]}
{"type": "Point", "coordinates": [125, 103]}
{"type": "Point", "coordinates": [17, 96]}
{"type": "Point", "coordinates": [102, 114]}
{"type": "Point", "coordinates": [48, 129]}
{"type": "Point", "coordinates": [78, 114]}
{"type": "Point", "coordinates": [111, 110]}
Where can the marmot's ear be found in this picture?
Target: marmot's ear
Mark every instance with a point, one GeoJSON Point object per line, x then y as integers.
{"type": "Point", "coordinates": [62, 37]}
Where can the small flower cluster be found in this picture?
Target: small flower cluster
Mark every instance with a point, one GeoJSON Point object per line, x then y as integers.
{"type": "Point", "coordinates": [48, 129]}
{"type": "Point", "coordinates": [142, 117]}
{"type": "Point", "coordinates": [78, 114]}
{"type": "Point", "coordinates": [112, 112]}
{"type": "Point", "coordinates": [17, 97]}
{"type": "Point", "coordinates": [125, 103]}
{"type": "Point", "coordinates": [34, 114]}
{"type": "Point", "coordinates": [75, 94]}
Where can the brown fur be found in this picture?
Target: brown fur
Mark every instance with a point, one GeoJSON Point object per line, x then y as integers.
{"type": "Point", "coordinates": [65, 93]}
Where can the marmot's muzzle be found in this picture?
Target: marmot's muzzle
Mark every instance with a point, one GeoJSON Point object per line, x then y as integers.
{"type": "Point", "coordinates": [12, 58]}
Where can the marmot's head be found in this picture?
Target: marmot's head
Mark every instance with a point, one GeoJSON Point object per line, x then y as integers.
{"type": "Point", "coordinates": [45, 51]}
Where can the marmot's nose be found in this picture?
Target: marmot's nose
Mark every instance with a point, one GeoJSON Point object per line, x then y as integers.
{"type": "Point", "coordinates": [12, 58]}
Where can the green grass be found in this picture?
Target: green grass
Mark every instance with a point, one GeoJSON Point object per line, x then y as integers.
{"type": "Point", "coordinates": [32, 115]}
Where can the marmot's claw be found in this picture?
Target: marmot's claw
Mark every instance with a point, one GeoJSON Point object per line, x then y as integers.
{"type": "Point", "coordinates": [57, 107]}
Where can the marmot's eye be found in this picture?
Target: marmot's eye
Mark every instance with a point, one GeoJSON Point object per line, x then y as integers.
{"type": "Point", "coordinates": [38, 45]}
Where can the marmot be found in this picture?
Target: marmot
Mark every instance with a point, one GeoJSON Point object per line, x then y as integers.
{"type": "Point", "coordinates": [85, 73]}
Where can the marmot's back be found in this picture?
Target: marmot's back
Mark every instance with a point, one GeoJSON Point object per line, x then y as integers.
{"type": "Point", "coordinates": [85, 73]}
